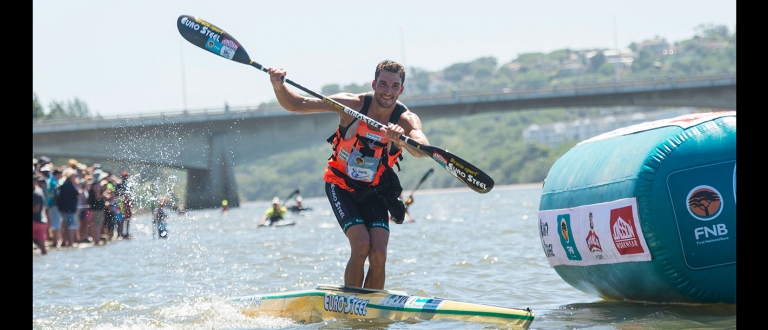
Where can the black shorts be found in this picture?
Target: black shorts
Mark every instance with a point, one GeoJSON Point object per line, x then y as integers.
{"type": "Point", "coordinates": [349, 212]}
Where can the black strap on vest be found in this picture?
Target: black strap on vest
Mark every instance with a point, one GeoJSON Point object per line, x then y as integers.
{"type": "Point", "coordinates": [393, 118]}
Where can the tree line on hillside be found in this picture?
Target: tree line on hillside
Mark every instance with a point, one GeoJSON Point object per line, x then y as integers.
{"type": "Point", "coordinates": [491, 141]}
{"type": "Point", "coordinates": [712, 50]}
{"type": "Point", "coordinates": [59, 109]}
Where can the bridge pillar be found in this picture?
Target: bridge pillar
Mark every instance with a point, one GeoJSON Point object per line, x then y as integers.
{"type": "Point", "coordinates": [208, 188]}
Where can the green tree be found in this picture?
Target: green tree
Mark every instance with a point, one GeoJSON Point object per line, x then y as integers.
{"type": "Point", "coordinates": [607, 69]}
{"type": "Point", "coordinates": [456, 72]}
{"type": "Point", "coordinates": [418, 81]}
{"type": "Point", "coordinates": [644, 61]}
{"type": "Point", "coordinates": [530, 59]}
{"type": "Point", "coordinates": [37, 109]}
{"type": "Point", "coordinates": [77, 109]}
{"type": "Point", "coordinates": [597, 61]}
{"type": "Point", "coordinates": [330, 89]}
{"type": "Point", "coordinates": [712, 32]}
{"type": "Point", "coordinates": [484, 68]}
{"type": "Point", "coordinates": [56, 110]}
{"type": "Point", "coordinates": [355, 88]}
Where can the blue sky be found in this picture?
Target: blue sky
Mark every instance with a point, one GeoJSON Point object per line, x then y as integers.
{"type": "Point", "coordinates": [127, 57]}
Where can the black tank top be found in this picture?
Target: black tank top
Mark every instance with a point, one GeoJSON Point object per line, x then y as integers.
{"type": "Point", "coordinates": [394, 118]}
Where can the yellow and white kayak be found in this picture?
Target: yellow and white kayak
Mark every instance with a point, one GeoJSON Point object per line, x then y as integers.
{"type": "Point", "coordinates": [331, 302]}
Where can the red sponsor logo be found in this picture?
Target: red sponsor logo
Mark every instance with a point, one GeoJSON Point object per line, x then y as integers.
{"type": "Point", "coordinates": [436, 156]}
{"type": "Point", "coordinates": [624, 233]}
{"type": "Point", "coordinates": [230, 43]}
{"type": "Point", "coordinates": [593, 242]}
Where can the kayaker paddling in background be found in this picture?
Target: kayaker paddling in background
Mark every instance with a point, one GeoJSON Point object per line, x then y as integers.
{"type": "Point", "coordinates": [298, 206]}
{"type": "Point", "coordinates": [361, 185]}
{"type": "Point", "coordinates": [274, 213]}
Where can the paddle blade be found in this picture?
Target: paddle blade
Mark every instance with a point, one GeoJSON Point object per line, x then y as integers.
{"type": "Point", "coordinates": [211, 38]}
{"type": "Point", "coordinates": [294, 193]}
{"type": "Point", "coordinates": [467, 173]}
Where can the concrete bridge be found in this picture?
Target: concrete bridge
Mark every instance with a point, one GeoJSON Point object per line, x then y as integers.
{"type": "Point", "coordinates": [208, 143]}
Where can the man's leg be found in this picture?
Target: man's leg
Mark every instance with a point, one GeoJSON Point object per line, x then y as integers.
{"type": "Point", "coordinates": [98, 222]}
{"type": "Point", "coordinates": [54, 223]}
{"type": "Point", "coordinates": [377, 258]}
{"type": "Point", "coordinates": [71, 221]}
{"type": "Point", "coordinates": [360, 242]}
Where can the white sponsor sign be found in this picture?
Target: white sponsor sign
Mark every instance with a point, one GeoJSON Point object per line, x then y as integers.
{"type": "Point", "coordinates": [603, 233]}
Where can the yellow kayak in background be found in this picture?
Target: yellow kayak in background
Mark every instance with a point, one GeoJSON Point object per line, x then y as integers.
{"type": "Point", "coordinates": [332, 302]}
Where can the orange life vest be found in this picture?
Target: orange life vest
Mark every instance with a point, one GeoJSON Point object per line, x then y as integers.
{"type": "Point", "coordinates": [364, 156]}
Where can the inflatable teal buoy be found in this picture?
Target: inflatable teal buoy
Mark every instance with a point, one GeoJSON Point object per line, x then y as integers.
{"type": "Point", "coordinates": [647, 212]}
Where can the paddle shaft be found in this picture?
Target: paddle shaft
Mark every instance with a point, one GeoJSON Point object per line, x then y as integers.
{"type": "Point", "coordinates": [215, 40]}
{"type": "Point", "coordinates": [424, 178]}
{"type": "Point", "coordinates": [294, 193]}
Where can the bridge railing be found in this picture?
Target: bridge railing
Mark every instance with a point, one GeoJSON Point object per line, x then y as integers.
{"type": "Point", "coordinates": [664, 82]}
{"type": "Point", "coordinates": [532, 91]}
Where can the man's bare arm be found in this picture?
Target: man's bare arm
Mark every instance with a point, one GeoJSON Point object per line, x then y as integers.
{"type": "Point", "coordinates": [299, 104]}
{"type": "Point", "coordinates": [411, 127]}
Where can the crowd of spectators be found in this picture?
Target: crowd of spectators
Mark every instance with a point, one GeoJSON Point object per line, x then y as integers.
{"type": "Point", "coordinates": [81, 204]}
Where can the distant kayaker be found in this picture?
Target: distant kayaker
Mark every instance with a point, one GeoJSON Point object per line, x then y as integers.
{"type": "Point", "coordinates": [298, 206]}
{"type": "Point", "coordinates": [274, 213]}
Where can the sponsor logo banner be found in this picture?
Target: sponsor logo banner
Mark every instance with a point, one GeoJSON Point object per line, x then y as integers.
{"type": "Point", "coordinates": [603, 233]}
{"type": "Point", "coordinates": [216, 47]}
{"type": "Point", "coordinates": [704, 203]}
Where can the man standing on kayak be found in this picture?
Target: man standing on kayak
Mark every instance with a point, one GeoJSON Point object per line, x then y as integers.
{"type": "Point", "coordinates": [360, 183]}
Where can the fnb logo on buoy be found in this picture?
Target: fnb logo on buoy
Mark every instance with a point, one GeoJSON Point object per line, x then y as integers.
{"type": "Point", "coordinates": [704, 203]}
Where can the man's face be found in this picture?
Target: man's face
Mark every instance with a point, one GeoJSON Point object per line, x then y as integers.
{"type": "Point", "coordinates": [387, 89]}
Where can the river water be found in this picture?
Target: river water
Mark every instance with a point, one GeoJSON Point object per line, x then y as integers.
{"type": "Point", "coordinates": [465, 246]}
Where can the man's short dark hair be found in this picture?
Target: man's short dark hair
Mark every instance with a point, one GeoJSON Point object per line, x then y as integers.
{"type": "Point", "coordinates": [390, 66]}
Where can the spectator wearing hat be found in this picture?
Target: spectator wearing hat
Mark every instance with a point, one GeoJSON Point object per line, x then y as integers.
{"type": "Point", "coordinates": [274, 213]}
{"type": "Point", "coordinates": [42, 161]}
{"type": "Point", "coordinates": [39, 227]}
{"type": "Point", "coordinates": [68, 205]}
{"type": "Point", "coordinates": [225, 206]}
{"type": "Point", "coordinates": [54, 216]}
